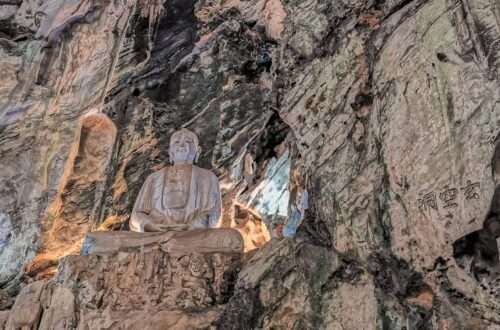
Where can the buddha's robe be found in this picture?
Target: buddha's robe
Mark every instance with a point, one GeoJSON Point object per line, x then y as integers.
{"type": "Point", "coordinates": [178, 195]}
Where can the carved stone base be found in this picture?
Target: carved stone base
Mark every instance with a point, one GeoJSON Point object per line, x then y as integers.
{"type": "Point", "coordinates": [126, 288]}
{"type": "Point", "coordinates": [210, 240]}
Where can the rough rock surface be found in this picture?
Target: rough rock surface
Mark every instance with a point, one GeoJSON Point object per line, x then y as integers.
{"type": "Point", "coordinates": [386, 111]}
{"type": "Point", "coordinates": [128, 290]}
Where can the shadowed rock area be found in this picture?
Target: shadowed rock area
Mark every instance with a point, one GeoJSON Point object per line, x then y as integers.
{"type": "Point", "coordinates": [355, 142]}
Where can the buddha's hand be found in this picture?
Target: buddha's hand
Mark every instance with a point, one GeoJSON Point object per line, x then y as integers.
{"type": "Point", "coordinates": [199, 218]}
{"type": "Point", "coordinates": [166, 227]}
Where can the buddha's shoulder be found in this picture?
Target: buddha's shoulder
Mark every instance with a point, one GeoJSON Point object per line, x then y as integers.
{"type": "Point", "coordinates": [158, 175]}
{"type": "Point", "coordinates": [203, 172]}
{"type": "Point", "coordinates": [200, 173]}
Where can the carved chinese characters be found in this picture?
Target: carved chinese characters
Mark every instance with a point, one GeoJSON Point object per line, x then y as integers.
{"type": "Point", "coordinates": [448, 197]}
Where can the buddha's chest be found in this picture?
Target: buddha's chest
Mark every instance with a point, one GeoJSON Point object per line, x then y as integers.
{"type": "Point", "coordinates": [173, 190]}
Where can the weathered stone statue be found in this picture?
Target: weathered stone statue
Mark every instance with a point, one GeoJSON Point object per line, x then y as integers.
{"type": "Point", "coordinates": [178, 207]}
{"type": "Point", "coordinates": [179, 197]}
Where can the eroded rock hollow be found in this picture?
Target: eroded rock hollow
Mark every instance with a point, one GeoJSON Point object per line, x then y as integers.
{"type": "Point", "coordinates": [355, 143]}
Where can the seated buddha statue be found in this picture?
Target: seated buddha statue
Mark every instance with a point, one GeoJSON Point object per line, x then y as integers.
{"type": "Point", "coordinates": [178, 206]}
{"type": "Point", "coordinates": [179, 197]}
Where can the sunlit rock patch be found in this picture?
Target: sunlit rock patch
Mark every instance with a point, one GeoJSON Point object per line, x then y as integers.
{"type": "Point", "coordinates": [72, 214]}
{"type": "Point", "coordinates": [270, 197]}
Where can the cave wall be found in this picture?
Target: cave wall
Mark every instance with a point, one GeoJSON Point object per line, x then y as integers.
{"type": "Point", "coordinates": [388, 110]}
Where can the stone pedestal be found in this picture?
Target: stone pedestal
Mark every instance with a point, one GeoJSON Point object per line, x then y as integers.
{"type": "Point", "coordinates": [153, 289]}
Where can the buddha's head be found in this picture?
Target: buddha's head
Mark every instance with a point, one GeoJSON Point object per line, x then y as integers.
{"type": "Point", "coordinates": [184, 147]}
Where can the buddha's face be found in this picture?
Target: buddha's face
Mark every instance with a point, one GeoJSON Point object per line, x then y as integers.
{"type": "Point", "coordinates": [183, 149]}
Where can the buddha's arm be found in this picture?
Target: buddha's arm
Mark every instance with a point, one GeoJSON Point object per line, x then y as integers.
{"type": "Point", "coordinates": [141, 219]}
{"type": "Point", "coordinates": [215, 213]}
{"type": "Point", "coordinates": [209, 217]}
{"type": "Point", "coordinates": [141, 222]}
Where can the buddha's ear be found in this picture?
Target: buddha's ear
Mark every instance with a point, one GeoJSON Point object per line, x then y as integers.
{"type": "Point", "coordinates": [198, 153]}
{"type": "Point", "coordinates": [170, 157]}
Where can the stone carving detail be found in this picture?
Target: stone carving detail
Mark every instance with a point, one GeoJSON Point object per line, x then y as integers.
{"type": "Point", "coordinates": [448, 196]}
{"type": "Point", "coordinates": [115, 286]}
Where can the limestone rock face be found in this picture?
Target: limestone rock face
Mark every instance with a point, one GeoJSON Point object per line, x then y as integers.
{"type": "Point", "coordinates": [385, 114]}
